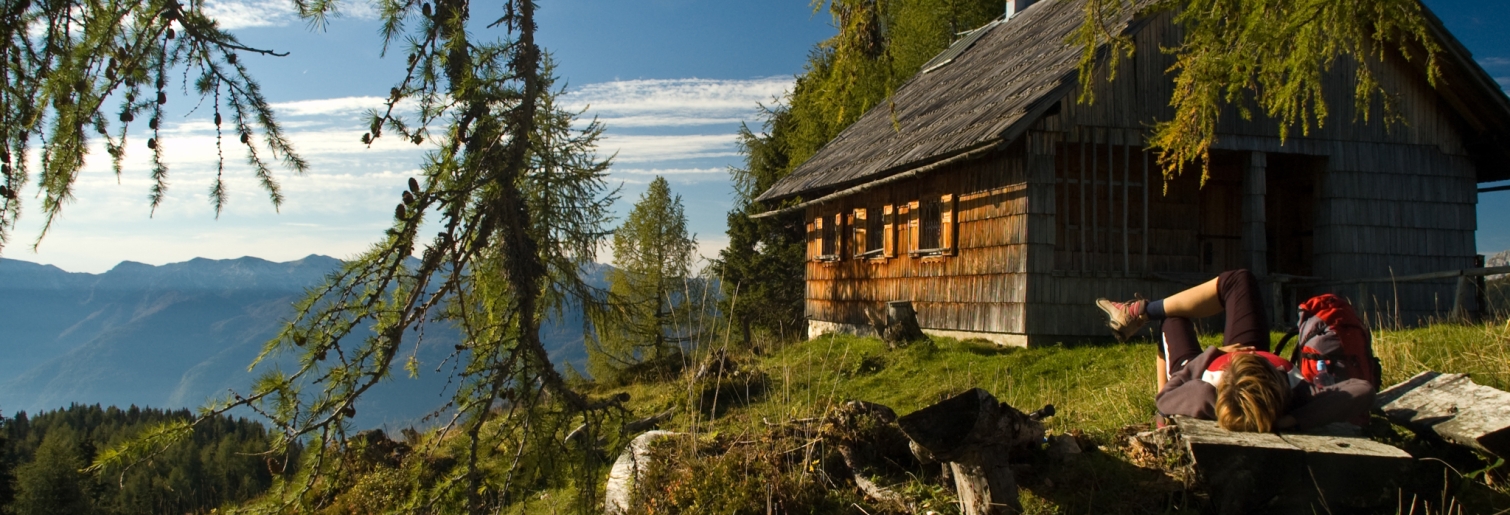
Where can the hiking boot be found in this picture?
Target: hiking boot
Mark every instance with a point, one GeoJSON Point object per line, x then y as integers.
{"type": "Point", "coordinates": [1124, 318]}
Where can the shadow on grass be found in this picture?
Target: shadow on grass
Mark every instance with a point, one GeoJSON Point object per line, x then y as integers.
{"type": "Point", "coordinates": [738, 390]}
{"type": "Point", "coordinates": [1099, 482]}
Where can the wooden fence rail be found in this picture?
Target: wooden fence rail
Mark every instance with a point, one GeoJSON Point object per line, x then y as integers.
{"type": "Point", "coordinates": [1470, 289]}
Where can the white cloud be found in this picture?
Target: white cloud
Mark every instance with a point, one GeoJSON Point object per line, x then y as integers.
{"type": "Point", "coordinates": [677, 102]}
{"type": "Point", "coordinates": [642, 148]}
{"type": "Point", "coordinates": [237, 14]}
{"type": "Point", "coordinates": [347, 196]}
{"type": "Point", "coordinates": [328, 106]}
{"type": "Point", "coordinates": [670, 171]}
{"type": "Point", "coordinates": [1494, 61]}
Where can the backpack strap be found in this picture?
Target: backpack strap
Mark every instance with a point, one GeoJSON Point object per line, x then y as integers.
{"type": "Point", "coordinates": [1280, 348]}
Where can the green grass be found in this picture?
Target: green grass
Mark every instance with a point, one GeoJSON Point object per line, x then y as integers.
{"type": "Point", "coordinates": [757, 435]}
{"type": "Point", "coordinates": [1098, 388]}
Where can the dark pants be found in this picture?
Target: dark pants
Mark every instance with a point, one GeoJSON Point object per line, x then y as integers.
{"type": "Point", "coordinates": [1247, 322]}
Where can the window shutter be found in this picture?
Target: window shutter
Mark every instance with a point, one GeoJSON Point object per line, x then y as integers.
{"type": "Point", "coordinates": [947, 225]}
{"type": "Point", "coordinates": [815, 238]}
{"type": "Point", "coordinates": [889, 217]}
{"type": "Point", "coordinates": [839, 246]}
{"type": "Point", "coordinates": [913, 226]}
{"type": "Point", "coordinates": [858, 229]}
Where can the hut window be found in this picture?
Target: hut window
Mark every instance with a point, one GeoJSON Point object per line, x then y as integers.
{"type": "Point", "coordinates": [934, 217]}
{"type": "Point", "coordinates": [932, 227]}
{"type": "Point", "coordinates": [869, 232]}
{"type": "Point", "coordinates": [828, 230]}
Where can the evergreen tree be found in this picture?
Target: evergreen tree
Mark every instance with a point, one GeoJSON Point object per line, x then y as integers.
{"type": "Point", "coordinates": [219, 463]}
{"type": "Point", "coordinates": [762, 268]}
{"type": "Point", "coordinates": [879, 45]}
{"type": "Point", "coordinates": [62, 60]}
{"type": "Point", "coordinates": [52, 482]}
{"type": "Point", "coordinates": [652, 258]}
{"type": "Point", "coordinates": [7, 479]}
{"type": "Point", "coordinates": [520, 197]}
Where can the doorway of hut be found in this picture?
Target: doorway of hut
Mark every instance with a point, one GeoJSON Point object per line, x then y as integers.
{"type": "Point", "coordinates": [1290, 212]}
{"type": "Point", "coordinates": [1219, 238]}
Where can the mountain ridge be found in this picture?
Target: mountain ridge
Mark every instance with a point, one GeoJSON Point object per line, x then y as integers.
{"type": "Point", "coordinates": [175, 335]}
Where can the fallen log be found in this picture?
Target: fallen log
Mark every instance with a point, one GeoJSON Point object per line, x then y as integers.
{"type": "Point", "coordinates": [649, 422]}
{"type": "Point", "coordinates": [628, 469]}
{"type": "Point", "coordinates": [975, 433]}
{"type": "Point", "coordinates": [1291, 472]}
{"type": "Point", "coordinates": [1452, 407]}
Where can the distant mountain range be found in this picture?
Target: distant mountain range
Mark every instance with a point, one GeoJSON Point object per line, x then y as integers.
{"type": "Point", "coordinates": [176, 335]}
{"type": "Point", "coordinates": [1500, 259]}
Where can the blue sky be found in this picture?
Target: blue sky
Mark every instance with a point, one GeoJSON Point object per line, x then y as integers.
{"type": "Point", "coordinates": [672, 79]}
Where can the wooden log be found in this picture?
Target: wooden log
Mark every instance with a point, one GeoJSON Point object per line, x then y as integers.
{"type": "Point", "coordinates": [627, 470]}
{"type": "Point", "coordinates": [1453, 407]}
{"type": "Point", "coordinates": [1291, 473]}
{"type": "Point", "coordinates": [649, 422]}
{"type": "Point", "coordinates": [974, 433]}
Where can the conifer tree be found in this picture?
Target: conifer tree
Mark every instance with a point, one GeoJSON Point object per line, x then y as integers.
{"type": "Point", "coordinates": [52, 481]}
{"type": "Point", "coordinates": [879, 45]}
{"type": "Point", "coordinates": [62, 61]}
{"type": "Point", "coordinates": [762, 268]}
{"type": "Point", "coordinates": [520, 199]}
{"type": "Point", "coordinates": [652, 258]}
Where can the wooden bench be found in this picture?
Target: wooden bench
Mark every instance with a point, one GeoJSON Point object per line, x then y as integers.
{"type": "Point", "coordinates": [1292, 472]}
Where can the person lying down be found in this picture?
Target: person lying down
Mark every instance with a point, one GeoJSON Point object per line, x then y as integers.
{"type": "Point", "coordinates": [1241, 384]}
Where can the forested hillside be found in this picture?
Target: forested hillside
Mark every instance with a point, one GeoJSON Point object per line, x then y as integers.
{"type": "Point", "coordinates": [45, 454]}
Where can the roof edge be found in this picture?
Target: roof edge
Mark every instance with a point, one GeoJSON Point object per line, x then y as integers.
{"type": "Point", "coordinates": [966, 155]}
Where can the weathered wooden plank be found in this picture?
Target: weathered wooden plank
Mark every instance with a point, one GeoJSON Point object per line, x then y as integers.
{"type": "Point", "coordinates": [1291, 473]}
{"type": "Point", "coordinates": [1452, 407]}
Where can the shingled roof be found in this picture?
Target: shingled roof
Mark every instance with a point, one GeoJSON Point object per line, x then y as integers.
{"type": "Point", "coordinates": [1012, 73]}
{"type": "Point", "coordinates": [1019, 66]}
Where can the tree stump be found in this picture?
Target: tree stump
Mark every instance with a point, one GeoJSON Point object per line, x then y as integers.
{"type": "Point", "coordinates": [866, 435]}
{"type": "Point", "coordinates": [974, 433]}
{"type": "Point", "coordinates": [1453, 407]}
{"type": "Point", "coordinates": [900, 325]}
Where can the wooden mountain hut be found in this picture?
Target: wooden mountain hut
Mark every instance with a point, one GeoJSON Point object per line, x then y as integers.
{"type": "Point", "coordinates": [1001, 207]}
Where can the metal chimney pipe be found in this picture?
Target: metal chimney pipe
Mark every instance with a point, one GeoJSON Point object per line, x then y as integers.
{"type": "Point", "coordinates": [1017, 6]}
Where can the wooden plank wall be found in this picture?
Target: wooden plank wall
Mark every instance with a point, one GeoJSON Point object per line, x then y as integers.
{"type": "Point", "coordinates": [1395, 198]}
{"type": "Point", "coordinates": [981, 288]}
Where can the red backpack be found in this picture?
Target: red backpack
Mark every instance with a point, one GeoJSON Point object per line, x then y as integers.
{"type": "Point", "coordinates": [1334, 345]}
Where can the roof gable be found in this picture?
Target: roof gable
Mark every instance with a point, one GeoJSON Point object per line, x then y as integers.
{"type": "Point", "coordinates": [1016, 66]}
{"type": "Point", "coordinates": [993, 89]}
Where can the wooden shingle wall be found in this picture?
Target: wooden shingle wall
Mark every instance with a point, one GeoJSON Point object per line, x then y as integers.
{"type": "Point", "coordinates": [1392, 198]}
{"type": "Point", "coordinates": [978, 289]}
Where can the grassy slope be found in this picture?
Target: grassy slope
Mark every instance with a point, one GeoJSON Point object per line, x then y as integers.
{"type": "Point", "coordinates": [1098, 388]}
{"type": "Point", "coordinates": [750, 454]}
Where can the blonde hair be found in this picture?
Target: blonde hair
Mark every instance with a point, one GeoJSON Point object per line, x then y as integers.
{"type": "Point", "coordinates": [1251, 395]}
